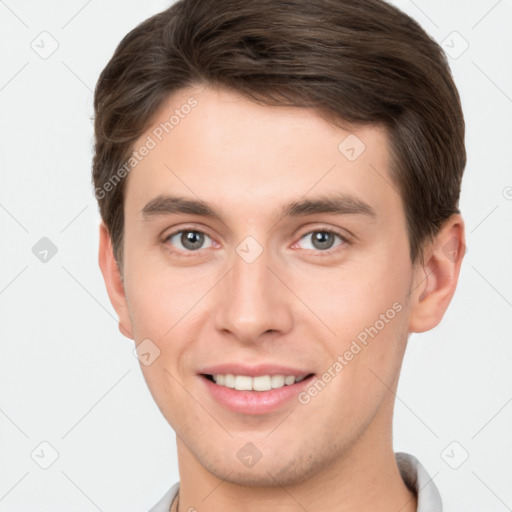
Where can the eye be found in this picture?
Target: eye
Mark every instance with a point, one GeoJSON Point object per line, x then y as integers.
{"type": "Point", "coordinates": [190, 240]}
{"type": "Point", "coordinates": [322, 240]}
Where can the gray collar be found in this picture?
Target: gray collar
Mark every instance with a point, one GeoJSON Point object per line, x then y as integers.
{"type": "Point", "coordinates": [418, 481]}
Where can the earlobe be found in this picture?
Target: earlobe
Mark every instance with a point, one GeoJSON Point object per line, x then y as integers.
{"type": "Point", "coordinates": [436, 279]}
{"type": "Point", "coordinates": [113, 281]}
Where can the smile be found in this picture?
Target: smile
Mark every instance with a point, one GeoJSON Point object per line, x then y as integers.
{"type": "Point", "coordinates": [259, 383]}
{"type": "Point", "coordinates": [255, 395]}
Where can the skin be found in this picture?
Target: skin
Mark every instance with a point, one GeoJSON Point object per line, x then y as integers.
{"type": "Point", "coordinates": [296, 304]}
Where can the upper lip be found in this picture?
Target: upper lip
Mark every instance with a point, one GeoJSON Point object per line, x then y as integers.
{"type": "Point", "coordinates": [253, 371]}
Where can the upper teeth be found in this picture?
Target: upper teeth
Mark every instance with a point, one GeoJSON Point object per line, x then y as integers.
{"type": "Point", "coordinates": [260, 383]}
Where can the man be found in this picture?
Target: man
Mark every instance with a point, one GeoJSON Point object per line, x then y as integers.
{"type": "Point", "coordinates": [279, 183]}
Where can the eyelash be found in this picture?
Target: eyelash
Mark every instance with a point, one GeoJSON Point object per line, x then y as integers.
{"type": "Point", "coordinates": [320, 253]}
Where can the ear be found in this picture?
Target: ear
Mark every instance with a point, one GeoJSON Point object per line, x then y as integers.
{"type": "Point", "coordinates": [435, 279]}
{"type": "Point", "coordinates": [113, 281]}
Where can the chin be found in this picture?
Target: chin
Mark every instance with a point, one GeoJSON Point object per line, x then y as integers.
{"type": "Point", "coordinates": [266, 473]}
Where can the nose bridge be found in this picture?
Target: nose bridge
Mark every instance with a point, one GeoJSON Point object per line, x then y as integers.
{"type": "Point", "coordinates": [250, 272]}
{"type": "Point", "coordinates": [252, 301]}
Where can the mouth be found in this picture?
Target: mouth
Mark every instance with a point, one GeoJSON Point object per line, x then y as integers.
{"type": "Point", "coordinates": [258, 383]}
{"type": "Point", "coordinates": [255, 395]}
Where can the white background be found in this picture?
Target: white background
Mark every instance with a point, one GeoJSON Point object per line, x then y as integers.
{"type": "Point", "coordinates": [68, 378]}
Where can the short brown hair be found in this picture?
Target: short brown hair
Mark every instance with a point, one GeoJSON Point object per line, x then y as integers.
{"type": "Point", "coordinates": [359, 61]}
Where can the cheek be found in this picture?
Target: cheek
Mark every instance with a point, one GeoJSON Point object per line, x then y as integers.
{"type": "Point", "coordinates": [352, 298]}
{"type": "Point", "coordinates": [365, 308]}
{"type": "Point", "coordinates": [160, 298]}
{"type": "Point", "coordinates": [162, 305]}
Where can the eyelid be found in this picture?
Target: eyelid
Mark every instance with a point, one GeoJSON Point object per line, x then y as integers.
{"type": "Point", "coordinates": [326, 229]}
{"type": "Point", "coordinates": [176, 230]}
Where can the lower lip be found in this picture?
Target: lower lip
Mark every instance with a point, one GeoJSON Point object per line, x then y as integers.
{"type": "Point", "coordinates": [255, 402]}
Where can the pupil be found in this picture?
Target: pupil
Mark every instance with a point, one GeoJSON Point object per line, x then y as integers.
{"type": "Point", "coordinates": [192, 240]}
{"type": "Point", "coordinates": [323, 240]}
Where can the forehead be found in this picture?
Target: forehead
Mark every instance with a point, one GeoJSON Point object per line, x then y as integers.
{"type": "Point", "coordinates": [219, 146]}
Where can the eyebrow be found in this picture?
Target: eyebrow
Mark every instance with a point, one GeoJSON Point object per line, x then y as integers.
{"type": "Point", "coordinates": [337, 204]}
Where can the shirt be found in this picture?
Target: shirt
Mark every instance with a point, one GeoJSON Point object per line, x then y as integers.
{"type": "Point", "coordinates": [413, 474]}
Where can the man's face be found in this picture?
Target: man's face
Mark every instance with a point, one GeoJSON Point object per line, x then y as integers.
{"type": "Point", "coordinates": [263, 290]}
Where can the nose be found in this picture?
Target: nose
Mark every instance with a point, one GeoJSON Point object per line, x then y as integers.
{"type": "Point", "coordinates": [252, 300]}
